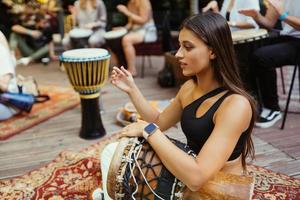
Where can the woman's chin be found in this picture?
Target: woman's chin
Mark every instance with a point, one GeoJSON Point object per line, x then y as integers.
{"type": "Point", "coordinates": [187, 74]}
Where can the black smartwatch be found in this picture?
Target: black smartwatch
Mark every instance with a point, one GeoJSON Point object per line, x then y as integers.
{"type": "Point", "coordinates": [149, 130]}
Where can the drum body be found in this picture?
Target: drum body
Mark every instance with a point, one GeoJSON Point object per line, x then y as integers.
{"type": "Point", "coordinates": [87, 70]}
{"type": "Point", "coordinates": [135, 168]}
{"type": "Point", "coordinates": [114, 42]}
{"type": "Point", "coordinates": [136, 155]}
{"type": "Point", "coordinates": [79, 37]}
{"type": "Point", "coordinates": [245, 43]}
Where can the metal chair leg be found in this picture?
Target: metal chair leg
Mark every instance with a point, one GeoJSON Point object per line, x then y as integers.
{"type": "Point", "coordinates": [149, 60]}
{"type": "Point", "coordinates": [282, 80]}
{"type": "Point", "coordinates": [143, 67]}
{"type": "Point", "coordinates": [289, 97]}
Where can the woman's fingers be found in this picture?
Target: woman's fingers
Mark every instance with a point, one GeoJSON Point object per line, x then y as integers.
{"type": "Point", "coordinates": [126, 72]}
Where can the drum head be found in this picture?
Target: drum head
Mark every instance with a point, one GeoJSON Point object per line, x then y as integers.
{"type": "Point", "coordinates": [115, 166]}
{"type": "Point", "coordinates": [80, 33]}
{"type": "Point", "coordinates": [115, 33]}
{"type": "Point", "coordinates": [248, 34]}
{"type": "Point", "coordinates": [84, 55]}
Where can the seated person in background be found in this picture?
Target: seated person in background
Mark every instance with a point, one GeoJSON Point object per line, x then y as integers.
{"type": "Point", "coordinates": [33, 38]}
{"type": "Point", "coordinates": [283, 50]}
{"type": "Point", "coordinates": [89, 14]}
{"type": "Point", "coordinates": [230, 10]}
{"type": "Point", "coordinates": [141, 28]}
{"type": "Point", "coordinates": [7, 77]}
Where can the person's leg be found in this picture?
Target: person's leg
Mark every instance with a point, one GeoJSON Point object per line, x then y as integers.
{"type": "Point", "coordinates": [6, 112]}
{"type": "Point", "coordinates": [41, 52]}
{"type": "Point", "coordinates": [25, 49]}
{"type": "Point", "coordinates": [128, 43]}
{"type": "Point", "coordinates": [66, 42]}
{"type": "Point", "coordinates": [13, 41]}
{"type": "Point", "coordinates": [266, 60]}
{"type": "Point", "coordinates": [97, 39]}
{"type": "Point", "coordinates": [282, 52]}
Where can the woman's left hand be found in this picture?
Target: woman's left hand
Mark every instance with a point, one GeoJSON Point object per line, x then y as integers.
{"type": "Point", "coordinates": [134, 129]}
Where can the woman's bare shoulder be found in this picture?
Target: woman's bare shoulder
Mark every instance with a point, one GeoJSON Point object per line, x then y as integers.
{"type": "Point", "coordinates": [236, 102]}
{"type": "Point", "coordinates": [188, 86]}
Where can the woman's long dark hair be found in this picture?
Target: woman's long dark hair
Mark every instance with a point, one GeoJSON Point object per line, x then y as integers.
{"type": "Point", "coordinates": [214, 31]}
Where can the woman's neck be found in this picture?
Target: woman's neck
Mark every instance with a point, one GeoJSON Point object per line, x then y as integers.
{"type": "Point", "coordinates": [206, 81]}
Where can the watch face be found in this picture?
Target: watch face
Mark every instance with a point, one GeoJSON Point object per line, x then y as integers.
{"type": "Point", "coordinates": [150, 128]}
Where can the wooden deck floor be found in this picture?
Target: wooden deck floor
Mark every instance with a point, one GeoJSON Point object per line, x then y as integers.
{"type": "Point", "coordinates": [275, 149]}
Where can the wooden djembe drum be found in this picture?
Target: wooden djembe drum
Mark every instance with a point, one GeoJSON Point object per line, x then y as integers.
{"type": "Point", "coordinates": [87, 70]}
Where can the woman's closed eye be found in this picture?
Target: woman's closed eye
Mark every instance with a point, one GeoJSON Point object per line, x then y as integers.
{"type": "Point", "coordinates": [187, 45]}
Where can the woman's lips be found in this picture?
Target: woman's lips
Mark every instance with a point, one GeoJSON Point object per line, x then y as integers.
{"type": "Point", "coordinates": [182, 64]}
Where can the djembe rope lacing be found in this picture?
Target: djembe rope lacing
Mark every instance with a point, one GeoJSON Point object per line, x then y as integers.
{"type": "Point", "coordinates": [131, 182]}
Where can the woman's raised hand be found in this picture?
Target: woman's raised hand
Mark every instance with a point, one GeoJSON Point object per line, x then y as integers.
{"type": "Point", "coordinates": [212, 5]}
{"type": "Point", "coordinates": [122, 79]}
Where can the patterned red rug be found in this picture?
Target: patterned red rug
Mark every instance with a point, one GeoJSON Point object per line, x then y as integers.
{"type": "Point", "coordinates": [76, 175]}
{"type": "Point", "coordinates": [61, 99]}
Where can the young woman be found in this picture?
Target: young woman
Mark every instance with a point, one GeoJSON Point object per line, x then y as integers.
{"type": "Point", "coordinates": [141, 28]}
{"type": "Point", "coordinates": [215, 112]}
{"type": "Point", "coordinates": [91, 15]}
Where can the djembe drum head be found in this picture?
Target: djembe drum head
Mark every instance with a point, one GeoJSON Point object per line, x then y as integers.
{"type": "Point", "coordinates": [79, 37]}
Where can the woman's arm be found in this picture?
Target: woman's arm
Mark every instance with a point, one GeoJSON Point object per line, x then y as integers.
{"type": "Point", "coordinates": [268, 21]}
{"type": "Point", "coordinates": [212, 5]}
{"type": "Point", "coordinates": [22, 30]}
{"type": "Point", "coordinates": [242, 25]}
{"type": "Point", "coordinates": [122, 79]}
{"type": "Point", "coordinates": [143, 13]}
{"type": "Point", "coordinates": [195, 172]}
{"type": "Point", "coordinates": [102, 16]}
{"type": "Point", "coordinates": [293, 22]}
{"type": "Point", "coordinates": [278, 6]}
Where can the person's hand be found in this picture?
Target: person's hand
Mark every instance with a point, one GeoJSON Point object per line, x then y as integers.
{"type": "Point", "coordinates": [231, 23]}
{"type": "Point", "coordinates": [35, 34]}
{"type": "Point", "coordinates": [89, 26]}
{"type": "Point", "coordinates": [213, 5]}
{"type": "Point", "coordinates": [249, 12]}
{"type": "Point", "coordinates": [278, 5]}
{"type": "Point", "coordinates": [134, 129]}
{"type": "Point", "coordinates": [71, 9]}
{"type": "Point", "coordinates": [54, 57]}
{"type": "Point", "coordinates": [122, 79]}
{"type": "Point", "coordinates": [123, 9]}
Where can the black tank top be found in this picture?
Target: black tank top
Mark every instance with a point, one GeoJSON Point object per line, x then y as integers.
{"type": "Point", "coordinates": [198, 129]}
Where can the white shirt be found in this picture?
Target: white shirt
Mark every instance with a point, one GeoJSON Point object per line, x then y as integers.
{"type": "Point", "coordinates": [7, 66]}
{"type": "Point", "coordinates": [293, 8]}
{"type": "Point", "coordinates": [239, 5]}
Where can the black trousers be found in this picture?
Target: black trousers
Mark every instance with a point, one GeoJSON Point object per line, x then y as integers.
{"type": "Point", "coordinates": [282, 50]}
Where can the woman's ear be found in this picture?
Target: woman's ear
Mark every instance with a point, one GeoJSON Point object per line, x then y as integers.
{"type": "Point", "coordinates": [212, 55]}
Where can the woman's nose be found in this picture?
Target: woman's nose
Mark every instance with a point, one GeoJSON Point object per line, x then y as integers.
{"type": "Point", "coordinates": [178, 53]}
